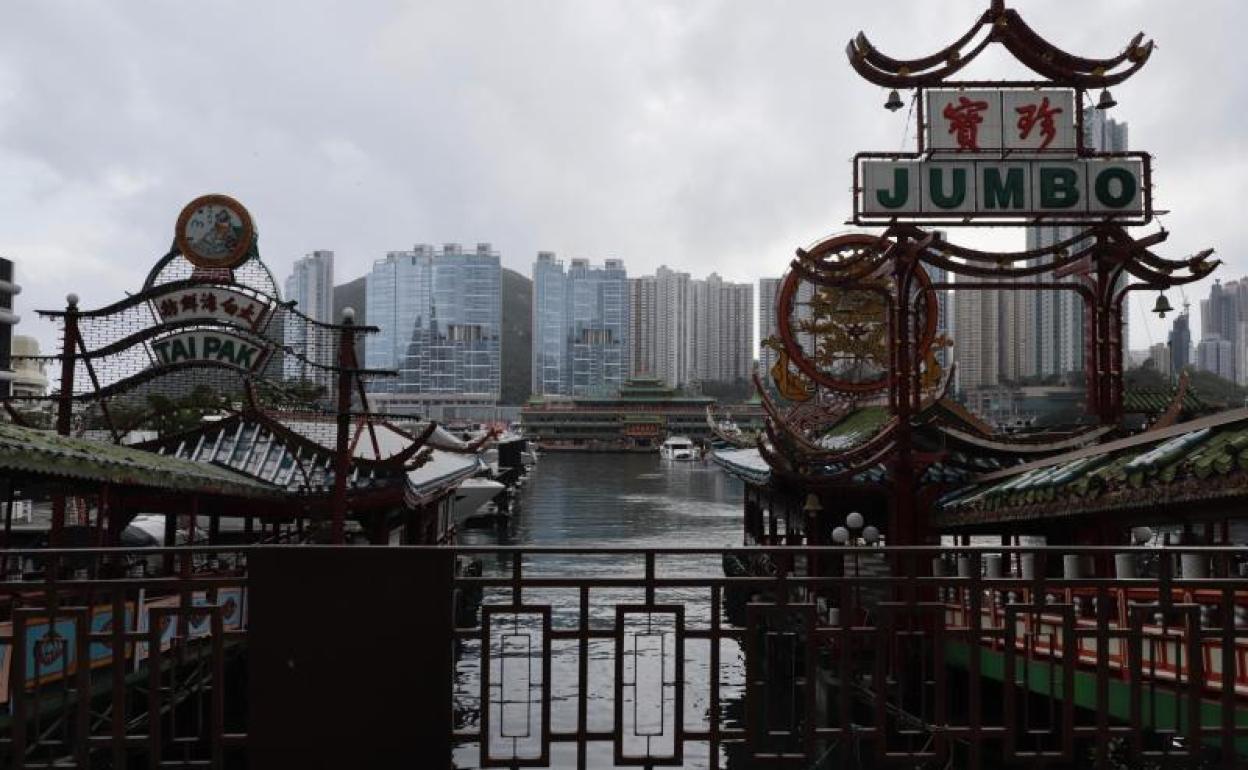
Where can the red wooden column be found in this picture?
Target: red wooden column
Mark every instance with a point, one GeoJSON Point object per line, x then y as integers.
{"type": "Point", "coordinates": [903, 527]}
{"type": "Point", "coordinates": [65, 404]}
{"type": "Point", "coordinates": [342, 450]}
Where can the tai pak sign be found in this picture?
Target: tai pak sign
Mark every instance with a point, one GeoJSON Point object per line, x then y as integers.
{"type": "Point", "coordinates": [213, 346]}
{"type": "Point", "coordinates": [1006, 154]}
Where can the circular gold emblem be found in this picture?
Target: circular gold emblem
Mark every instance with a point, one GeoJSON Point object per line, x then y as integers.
{"type": "Point", "coordinates": [215, 231]}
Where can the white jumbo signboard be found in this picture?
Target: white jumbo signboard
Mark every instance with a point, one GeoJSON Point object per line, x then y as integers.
{"type": "Point", "coordinates": [1079, 187]}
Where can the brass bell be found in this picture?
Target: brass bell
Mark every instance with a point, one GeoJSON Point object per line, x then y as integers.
{"type": "Point", "coordinates": [894, 102]}
{"type": "Point", "coordinates": [1163, 306]}
{"type": "Point", "coordinates": [1106, 101]}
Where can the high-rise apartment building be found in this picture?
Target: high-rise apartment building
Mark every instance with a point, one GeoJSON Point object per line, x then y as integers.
{"type": "Point", "coordinates": [720, 334]}
{"type": "Point", "coordinates": [671, 329]}
{"type": "Point", "coordinates": [643, 316]}
{"type": "Point", "coordinates": [440, 315]}
{"type": "Point", "coordinates": [1049, 324]}
{"type": "Point", "coordinates": [768, 291]}
{"type": "Point", "coordinates": [659, 325]}
{"type": "Point", "coordinates": [734, 333]}
{"type": "Point", "coordinates": [1216, 355]}
{"type": "Point", "coordinates": [977, 347]}
{"type": "Point", "coordinates": [1159, 354]}
{"type": "Point", "coordinates": [580, 327]}
{"type": "Point", "coordinates": [550, 326]}
{"type": "Point", "coordinates": [1180, 343]}
{"type": "Point", "coordinates": [687, 331]}
{"type": "Point", "coordinates": [311, 287]}
{"type": "Point", "coordinates": [1224, 316]}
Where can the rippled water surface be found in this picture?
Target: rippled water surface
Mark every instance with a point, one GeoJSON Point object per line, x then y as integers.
{"type": "Point", "coordinates": [603, 501]}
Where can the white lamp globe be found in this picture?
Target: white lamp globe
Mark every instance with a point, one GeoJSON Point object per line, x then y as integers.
{"type": "Point", "coordinates": [854, 520]}
{"type": "Point", "coordinates": [840, 536]}
{"type": "Point", "coordinates": [871, 535]}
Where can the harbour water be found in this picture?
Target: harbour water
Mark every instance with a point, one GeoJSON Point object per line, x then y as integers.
{"type": "Point", "coordinates": [605, 501]}
{"type": "Point", "coordinates": [633, 500]}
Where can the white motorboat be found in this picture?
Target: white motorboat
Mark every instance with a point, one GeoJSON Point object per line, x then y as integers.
{"type": "Point", "coordinates": [529, 457]}
{"type": "Point", "coordinates": [677, 448]}
{"type": "Point", "coordinates": [472, 495]}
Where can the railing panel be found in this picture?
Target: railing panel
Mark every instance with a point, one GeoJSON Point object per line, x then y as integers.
{"type": "Point", "coordinates": [697, 658]}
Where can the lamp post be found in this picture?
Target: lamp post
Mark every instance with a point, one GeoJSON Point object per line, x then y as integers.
{"type": "Point", "coordinates": [812, 507]}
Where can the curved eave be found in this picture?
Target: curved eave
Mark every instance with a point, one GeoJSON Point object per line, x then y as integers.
{"type": "Point", "coordinates": [1019, 447]}
{"type": "Point", "coordinates": [1004, 26]}
{"type": "Point", "coordinates": [442, 474]}
{"type": "Point", "coordinates": [746, 464]}
{"type": "Point", "coordinates": [1145, 506]}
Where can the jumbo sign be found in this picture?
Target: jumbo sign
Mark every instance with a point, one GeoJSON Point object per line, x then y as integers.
{"type": "Point", "coordinates": [1006, 154]}
{"type": "Point", "coordinates": [212, 346]}
{"type": "Point", "coordinates": [1097, 188]}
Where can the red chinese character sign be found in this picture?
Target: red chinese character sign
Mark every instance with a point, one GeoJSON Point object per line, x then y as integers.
{"type": "Point", "coordinates": [991, 121]}
{"type": "Point", "coordinates": [964, 121]}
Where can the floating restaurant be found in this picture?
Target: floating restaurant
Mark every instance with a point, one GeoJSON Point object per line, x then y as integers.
{"type": "Point", "coordinates": [1112, 556]}
{"type": "Point", "coordinates": [639, 418]}
{"type": "Point", "coordinates": [174, 426]}
{"type": "Point", "coordinates": [189, 371]}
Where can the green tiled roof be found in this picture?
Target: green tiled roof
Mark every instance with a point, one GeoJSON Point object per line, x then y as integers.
{"type": "Point", "coordinates": [1156, 401]}
{"type": "Point", "coordinates": [855, 428]}
{"type": "Point", "coordinates": [1187, 463]}
{"type": "Point", "coordinates": [43, 453]}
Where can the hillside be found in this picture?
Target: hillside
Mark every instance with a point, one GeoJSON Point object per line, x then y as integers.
{"type": "Point", "coordinates": [517, 337]}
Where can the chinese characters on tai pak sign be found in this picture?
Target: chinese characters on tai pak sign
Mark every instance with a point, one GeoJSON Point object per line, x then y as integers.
{"type": "Point", "coordinates": [210, 303]}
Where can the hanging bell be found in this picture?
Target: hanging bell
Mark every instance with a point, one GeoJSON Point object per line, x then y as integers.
{"type": "Point", "coordinates": [1162, 307]}
{"type": "Point", "coordinates": [894, 102]}
{"type": "Point", "coordinates": [1106, 101]}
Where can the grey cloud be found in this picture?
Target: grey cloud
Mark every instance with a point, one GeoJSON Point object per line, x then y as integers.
{"type": "Point", "coordinates": [706, 135]}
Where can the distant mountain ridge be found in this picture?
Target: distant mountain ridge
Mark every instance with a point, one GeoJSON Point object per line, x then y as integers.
{"type": "Point", "coordinates": [517, 342]}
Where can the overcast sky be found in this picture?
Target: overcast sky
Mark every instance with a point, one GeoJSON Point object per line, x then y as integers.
{"type": "Point", "coordinates": [703, 134]}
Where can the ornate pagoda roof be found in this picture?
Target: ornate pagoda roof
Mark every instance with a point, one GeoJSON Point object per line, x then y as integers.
{"type": "Point", "coordinates": [853, 448]}
{"type": "Point", "coordinates": [293, 453]}
{"type": "Point", "coordinates": [1198, 467]}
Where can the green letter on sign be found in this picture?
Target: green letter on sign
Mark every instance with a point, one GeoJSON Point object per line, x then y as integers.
{"type": "Point", "coordinates": [900, 192]}
{"type": "Point", "coordinates": [1126, 188]}
{"type": "Point", "coordinates": [1009, 193]}
{"type": "Point", "coordinates": [1058, 188]}
{"type": "Point", "coordinates": [936, 188]}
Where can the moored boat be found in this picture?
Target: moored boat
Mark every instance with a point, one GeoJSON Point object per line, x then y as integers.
{"type": "Point", "coordinates": [677, 448]}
